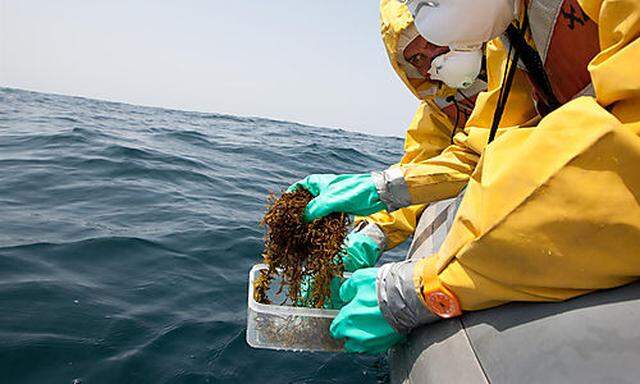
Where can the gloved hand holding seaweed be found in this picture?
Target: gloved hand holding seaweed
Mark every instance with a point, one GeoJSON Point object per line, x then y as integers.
{"type": "Point", "coordinates": [299, 251]}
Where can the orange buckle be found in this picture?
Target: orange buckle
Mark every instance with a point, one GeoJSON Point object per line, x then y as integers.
{"type": "Point", "coordinates": [442, 302]}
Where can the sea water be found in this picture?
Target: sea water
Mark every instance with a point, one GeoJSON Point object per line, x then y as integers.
{"type": "Point", "coordinates": [127, 233]}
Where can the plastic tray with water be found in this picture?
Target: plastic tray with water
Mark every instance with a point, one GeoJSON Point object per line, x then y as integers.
{"type": "Point", "coordinates": [283, 327]}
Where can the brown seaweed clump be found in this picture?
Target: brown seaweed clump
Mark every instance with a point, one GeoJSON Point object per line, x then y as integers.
{"type": "Point", "coordinates": [300, 252]}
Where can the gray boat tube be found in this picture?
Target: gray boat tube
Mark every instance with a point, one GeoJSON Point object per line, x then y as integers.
{"type": "Point", "coordinates": [590, 339]}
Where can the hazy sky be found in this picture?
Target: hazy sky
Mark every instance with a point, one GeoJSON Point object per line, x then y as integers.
{"type": "Point", "coordinates": [317, 62]}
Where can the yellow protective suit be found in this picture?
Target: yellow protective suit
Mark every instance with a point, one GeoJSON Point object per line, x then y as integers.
{"type": "Point", "coordinates": [430, 130]}
{"type": "Point", "coordinates": [552, 210]}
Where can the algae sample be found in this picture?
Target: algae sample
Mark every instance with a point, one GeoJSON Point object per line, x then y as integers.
{"type": "Point", "coordinates": [296, 333]}
{"type": "Point", "coordinates": [300, 252]}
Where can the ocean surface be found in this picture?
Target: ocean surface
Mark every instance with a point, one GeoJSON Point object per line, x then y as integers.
{"type": "Point", "coordinates": [127, 234]}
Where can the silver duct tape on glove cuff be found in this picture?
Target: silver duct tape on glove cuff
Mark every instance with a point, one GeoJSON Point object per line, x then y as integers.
{"type": "Point", "coordinates": [374, 232]}
{"type": "Point", "coordinates": [398, 299]}
{"type": "Point", "coordinates": [392, 189]}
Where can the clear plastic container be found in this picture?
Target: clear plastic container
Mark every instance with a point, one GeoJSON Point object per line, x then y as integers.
{"type": "Point", "coordinates": [288, 328]}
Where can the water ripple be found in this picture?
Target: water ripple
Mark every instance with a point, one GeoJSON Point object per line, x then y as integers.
{"type": "Point", "coordinates": [127, 234]}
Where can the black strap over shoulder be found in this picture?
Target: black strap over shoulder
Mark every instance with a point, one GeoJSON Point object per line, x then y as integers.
{"type": "Point", "coordinates": [535, 68]}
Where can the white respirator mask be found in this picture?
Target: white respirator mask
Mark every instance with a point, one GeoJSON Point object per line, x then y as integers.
{"type": "Point", "coordinates": [463, 26]}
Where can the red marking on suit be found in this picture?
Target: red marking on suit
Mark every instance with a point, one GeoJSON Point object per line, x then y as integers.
{"type": "Point", "coordinates": [573, 44]}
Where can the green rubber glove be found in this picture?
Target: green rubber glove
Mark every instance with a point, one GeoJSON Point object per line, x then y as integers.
{"type": "Point", "coordinates": [355, 194]}
{"type": "Point", "coordinates": [360, 321]}
{"type": "Point", "coordinates": [333, 302]}
{"type": "Point", "coordinates": [362, 252]}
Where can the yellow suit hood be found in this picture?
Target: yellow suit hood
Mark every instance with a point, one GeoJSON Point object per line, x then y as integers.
{"type": "Point", "coordinates": [396, 21]}
{"type": "Point", "coordinates": [431, 128]}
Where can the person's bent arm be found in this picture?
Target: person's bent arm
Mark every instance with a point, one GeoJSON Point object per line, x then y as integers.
{"type": "Point", "coordinates": [428, 135]}
{"type": "Point", "coordinates": [444, 176]}
{"type": "Point", "coordinates": [550, 213]}
{"type": "Point", "coordinates": [553, 212]}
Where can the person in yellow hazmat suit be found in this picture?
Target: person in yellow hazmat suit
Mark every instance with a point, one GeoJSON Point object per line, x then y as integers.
{"type": "Point", "coordinates": [551, 209]}
{"type": "Point", "coordinates": [442, 111]}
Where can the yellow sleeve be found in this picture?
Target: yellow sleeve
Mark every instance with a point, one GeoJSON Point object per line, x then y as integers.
{"type": "Point", "coordinates": [428, 134]}
{"type": "Point", "coordinates": [553, 211]}
{"type": "Point", "coordinates": [397, 226]}
{"type": "Point", "coordinates": [443, 176]}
